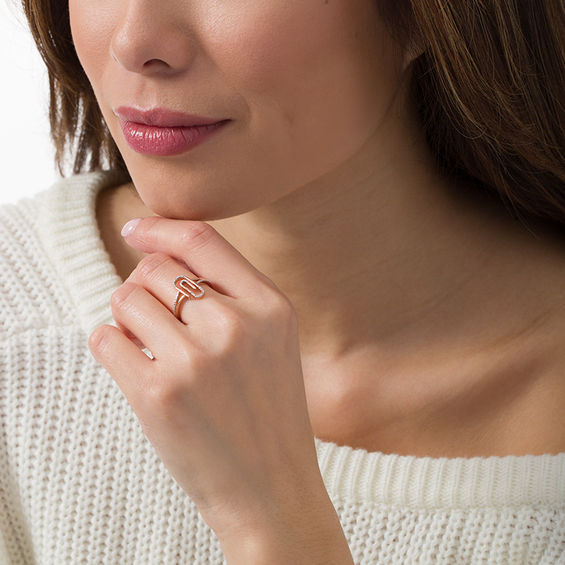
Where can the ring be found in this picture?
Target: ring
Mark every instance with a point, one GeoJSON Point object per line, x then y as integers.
{"type": "Point", "coordinates": [186, 288]}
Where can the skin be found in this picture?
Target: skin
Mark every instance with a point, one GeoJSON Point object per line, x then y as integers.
{"type": "Point", "coordinates": [431, 322]}
{"type": "Point", "coordinates": [222, 400]}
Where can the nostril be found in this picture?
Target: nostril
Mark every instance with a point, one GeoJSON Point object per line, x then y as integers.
{"type": "Point", "coordinates": [155, 63]}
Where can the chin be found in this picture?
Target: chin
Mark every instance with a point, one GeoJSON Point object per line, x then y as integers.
{"type": "Point", "coordinates": [188, 209]}
{"type": "Point", "coordinates": [185, 198]}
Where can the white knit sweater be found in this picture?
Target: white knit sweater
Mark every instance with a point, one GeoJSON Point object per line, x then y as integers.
{"type": "Point", "coordinates": [81, 484]}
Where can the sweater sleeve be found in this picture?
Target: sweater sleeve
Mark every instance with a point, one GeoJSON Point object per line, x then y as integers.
{"type": "Point", "coordinates": [8, 541]}
{"type": "Point", "coordinates": [13, 525]}
{"type": "Point", "coordinates": [28, 304]}
{"type": "Point", "coordinates": [4, 555]}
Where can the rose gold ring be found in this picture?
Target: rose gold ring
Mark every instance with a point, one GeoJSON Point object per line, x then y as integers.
{"type": "Point", "coordinates": [189, 289]}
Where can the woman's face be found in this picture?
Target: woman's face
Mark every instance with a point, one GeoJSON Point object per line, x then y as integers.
{"type": "Point", "coordinates": [304, 83]}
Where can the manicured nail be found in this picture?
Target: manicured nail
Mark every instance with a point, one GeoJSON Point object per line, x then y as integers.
{"type": "Point", "coordinates": [130, 226]}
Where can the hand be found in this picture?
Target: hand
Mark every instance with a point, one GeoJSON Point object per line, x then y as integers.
{"type": "Point", "coordinates": [223, 401]}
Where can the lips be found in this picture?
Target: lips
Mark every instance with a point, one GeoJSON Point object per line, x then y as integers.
{"type": "Point", "coordinates": [161, 117]}
{"type": "Point", "coordinates": [162, 132]}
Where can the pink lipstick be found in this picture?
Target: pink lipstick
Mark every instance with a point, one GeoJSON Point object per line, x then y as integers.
{"type": "Point", "coordinates": [162, 132]}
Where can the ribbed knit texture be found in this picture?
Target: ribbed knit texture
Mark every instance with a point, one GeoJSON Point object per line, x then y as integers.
{"type": "Point", "coordinates": [81, 484]}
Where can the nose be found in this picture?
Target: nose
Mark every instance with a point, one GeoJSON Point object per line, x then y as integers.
{"type": "Point", "coordinates": [151, 38]}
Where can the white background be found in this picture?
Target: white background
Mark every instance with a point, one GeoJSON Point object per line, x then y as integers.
{"type": "Point", "coordinates": [25, 148]}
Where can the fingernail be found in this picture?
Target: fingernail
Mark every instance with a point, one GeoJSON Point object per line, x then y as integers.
{"type": "Point", "coordinates": [130, 226]}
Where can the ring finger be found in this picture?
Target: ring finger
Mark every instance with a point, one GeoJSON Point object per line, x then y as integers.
{"type": "Point", "coordinates": [157, 272]}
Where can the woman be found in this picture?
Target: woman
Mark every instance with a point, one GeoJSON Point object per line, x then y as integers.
{"type": "Point", "coordinates": [333, 332]}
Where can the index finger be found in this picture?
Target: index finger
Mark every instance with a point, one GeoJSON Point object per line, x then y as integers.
{"type": "Point", "coordinates": [206, 253]}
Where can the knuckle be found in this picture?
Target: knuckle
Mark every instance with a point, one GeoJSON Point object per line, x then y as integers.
{"type": "Point", "coordinates": [280, 313]}
{"type": "Point", "coordinates": [119, 298]}
{"type": "Point", "coordinates": [274, 301]}
{"type": "Point", "coordinates": [196, 234]}
{"type": "Point", "coordinates": [279, 306]}
{"type": "Point", "coordinates": [165, 390]}
{"type": "Point", "coordinates": [231, 322]}
{"type": "Point", "coordinates": [148, 266]}
{"type": "Point", "coordinates": [144, 231]}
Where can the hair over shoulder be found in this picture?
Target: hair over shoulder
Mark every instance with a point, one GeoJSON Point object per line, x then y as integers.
{"type": "Point", "coordinates": [489, 87]}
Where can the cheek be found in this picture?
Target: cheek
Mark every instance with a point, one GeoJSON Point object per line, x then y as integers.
{"type": "Point", "coordinates": [268, 49]}
{"type": "Point", "coordinates": [91, 29]}
{"type": "Point", "coordinates": [317, 77]}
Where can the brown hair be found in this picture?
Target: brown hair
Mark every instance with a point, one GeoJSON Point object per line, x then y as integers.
{"type": "Point", "coordinates": [489, 87]}
{"type": "Point", "coordinates": [78, 129]}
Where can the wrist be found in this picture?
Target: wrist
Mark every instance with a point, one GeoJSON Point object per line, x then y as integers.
{"type": "Point", "coordinates": [311, 536]}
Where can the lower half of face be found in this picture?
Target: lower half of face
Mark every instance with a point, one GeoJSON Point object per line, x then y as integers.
{"type": "Point", "coordinates": [303, 85]}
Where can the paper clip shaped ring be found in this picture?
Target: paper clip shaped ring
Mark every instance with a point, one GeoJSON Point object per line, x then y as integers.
{"type": "Point", "coordinates": [189, 289]}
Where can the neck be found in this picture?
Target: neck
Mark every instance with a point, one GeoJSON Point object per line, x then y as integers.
{"type": "Point", "coordinates": [382, 252]}
{"type": "Point", "coordinates": [377, 252]}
